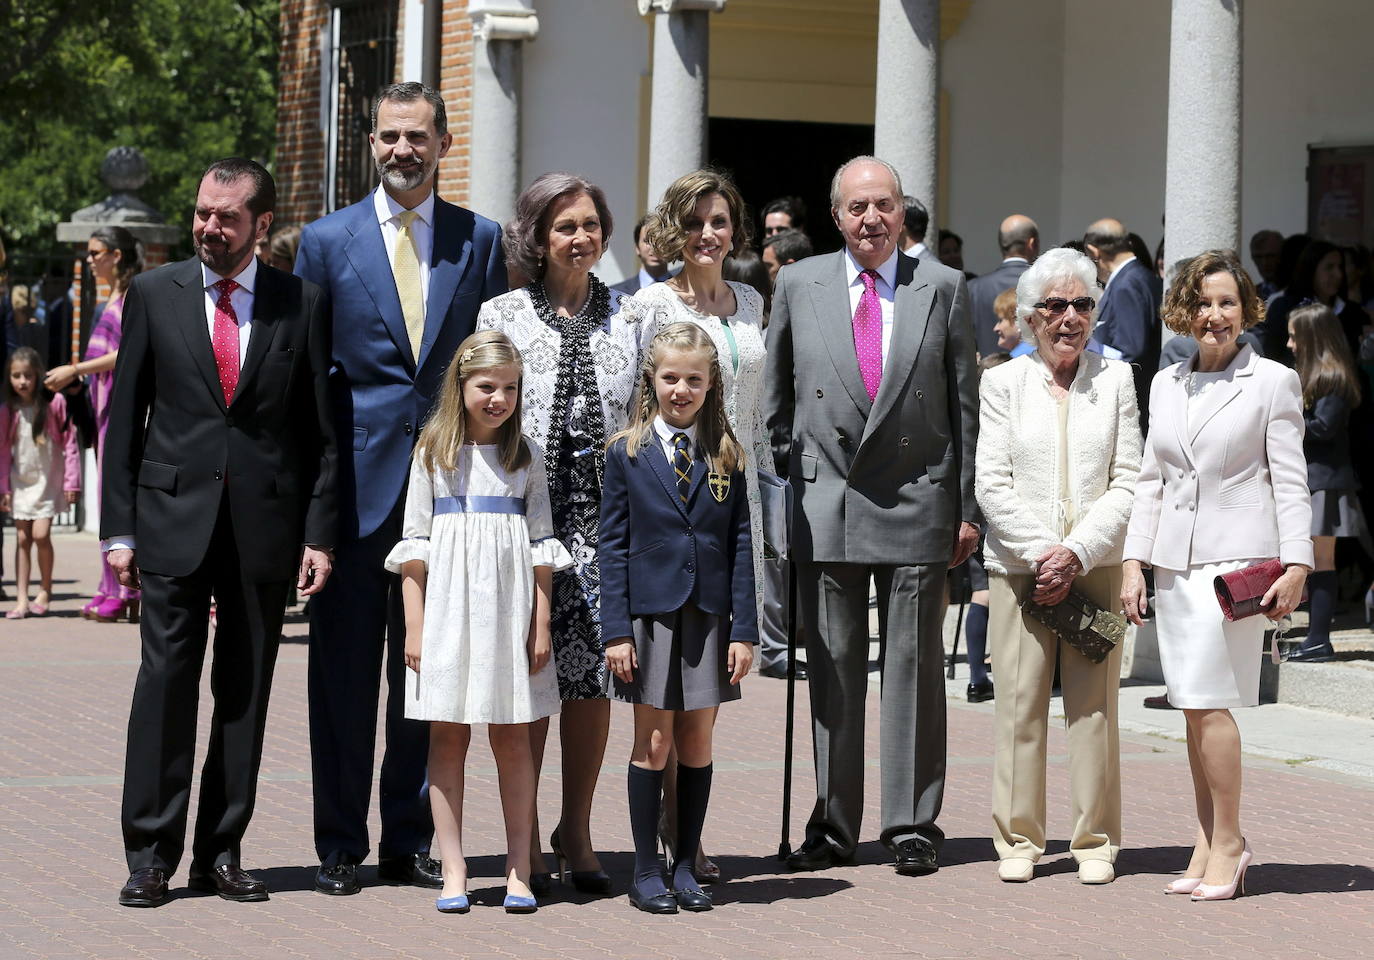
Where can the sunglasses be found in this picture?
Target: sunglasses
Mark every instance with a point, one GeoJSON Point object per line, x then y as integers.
{"type": "Point", "coordinates": [1055, 306]}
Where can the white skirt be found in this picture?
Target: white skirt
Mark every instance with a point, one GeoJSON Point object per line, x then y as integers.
{"type": "Point", "coordinates": [1209, 662]}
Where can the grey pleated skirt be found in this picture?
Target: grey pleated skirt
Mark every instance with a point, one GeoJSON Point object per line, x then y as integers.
{"type": "Point", "coordinates": [1336, 513]}
{"type": "Point", "coordinates": [681, 662]}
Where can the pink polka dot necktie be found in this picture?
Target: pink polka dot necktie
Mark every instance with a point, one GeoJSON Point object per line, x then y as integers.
{"type": "Point", "coordinates": [225, 340]}
{"type": "Point", "coordinates": [868, 333]}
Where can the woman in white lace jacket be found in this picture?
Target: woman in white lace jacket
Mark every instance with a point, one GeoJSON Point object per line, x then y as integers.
{"type": "Point", "coordinates": [1058, 455]}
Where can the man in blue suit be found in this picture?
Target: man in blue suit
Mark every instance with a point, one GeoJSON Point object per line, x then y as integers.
{"type": "Point", "coordinates": [405, 273]}
{"type": "Point", "coordinates": [1128, 310]}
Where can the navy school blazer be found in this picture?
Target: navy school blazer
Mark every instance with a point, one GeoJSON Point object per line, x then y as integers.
{"type": "Point", "coordinates": [657, 553]}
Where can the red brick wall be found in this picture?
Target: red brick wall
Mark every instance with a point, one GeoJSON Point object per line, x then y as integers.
{"type": "Point", "coordinates": [455, 86]}
{"type": "Point", "coordinates": [300, 140]}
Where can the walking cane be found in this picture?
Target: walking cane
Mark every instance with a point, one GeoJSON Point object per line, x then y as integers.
{"type": "Point", "coordinates": [785, 843]}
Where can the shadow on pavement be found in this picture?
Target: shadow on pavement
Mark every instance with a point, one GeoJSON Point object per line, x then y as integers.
{"type": "Point", "coordinates": [1308, 878]}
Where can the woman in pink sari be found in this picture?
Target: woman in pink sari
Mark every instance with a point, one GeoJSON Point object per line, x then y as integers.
{"type": "Point", "coordinates": [114, 256]}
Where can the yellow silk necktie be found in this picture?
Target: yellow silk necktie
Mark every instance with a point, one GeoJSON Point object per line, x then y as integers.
{"type": "Point", "coordinates": [405, 267]}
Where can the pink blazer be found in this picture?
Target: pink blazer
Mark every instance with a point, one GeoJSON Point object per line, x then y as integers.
{"type": "Point", "coordinates": [60, 435]}
{"type": "Point", "coordinates": [1229, 482]}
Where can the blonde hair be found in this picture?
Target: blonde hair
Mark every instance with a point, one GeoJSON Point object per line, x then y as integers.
{"type": "Point", "coordinates": [665, 228]}
{"type": "Point", "coordinates": [445, 431]}
{"type": "Point", "coordinates": [715, 440]}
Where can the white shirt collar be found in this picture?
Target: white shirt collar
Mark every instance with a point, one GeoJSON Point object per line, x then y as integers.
{"type": "Point", "coordinates": [246, 278]}
{"type": "Point", "coordinates": [666, 431]}
{"type": "Point", "coordinates": [387, 207]}
{"type": "Point", "coordinates": [887, 271]}
{"type": "Point", "coordinates": [1117, 269]}
{"type": "Point", "coordinates": [1015, 260]}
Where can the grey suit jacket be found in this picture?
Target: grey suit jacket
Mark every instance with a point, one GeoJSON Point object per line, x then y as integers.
{"type": "Point", "coordinates": [886, 481]}
{"type": "Point", "coordinates": [981, 294]}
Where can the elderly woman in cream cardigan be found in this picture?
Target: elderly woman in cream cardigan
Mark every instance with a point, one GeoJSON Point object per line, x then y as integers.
{"type": "Point", "coordinates": [1058, 454]}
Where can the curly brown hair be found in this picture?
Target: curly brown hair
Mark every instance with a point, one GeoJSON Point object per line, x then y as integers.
{"type": "Point", "coordinates": [664, 228]}
{"type": "Point", "coordinates": [1184, 296]}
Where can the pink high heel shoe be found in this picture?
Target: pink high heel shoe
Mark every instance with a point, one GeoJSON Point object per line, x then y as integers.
{"type": "Point", "coordinates": [113, 608]}
{"type": "Point", "coordinates": [88, 611]}
{"type": "Point", "coordinates": [1184, 885]}
{"type": "Point", "coordinates": [1234, 888]}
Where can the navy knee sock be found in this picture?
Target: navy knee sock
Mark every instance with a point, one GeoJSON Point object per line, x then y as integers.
{"type": "Point", "coordinates": [976, 630]}
{"type": "Point", "coordinates": [645, 786]}
{"type": "Point", "coordinates": [693, 795]}
{"type": "Point", "coordinates": [1321, 592]}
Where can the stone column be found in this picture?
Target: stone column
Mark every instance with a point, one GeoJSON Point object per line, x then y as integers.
{"type": "Point", "coordinates": [1202, 170]}
{"type": "Point", "coordinates": [677, 124]}
{"type": "Point", "coordinates": [907, 112]}
{"type": "Point", "coordinates": [499, 28]}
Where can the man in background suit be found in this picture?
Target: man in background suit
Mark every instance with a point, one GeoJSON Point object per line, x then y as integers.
{"type": "Point", "coordinates": [1128, 310]}
{"type": "Point", "coordinates": [652, 267]}
{"type": "Point", "coordinates": [219, 465]}
{"type": "Point", "coordinates": [1019, 240]}
{"type": "Point", "coordinates": [915, 222]}
{"type": "Point", "coordinates": [405, 273]}
{"type": "Point", "coordinates": [871, 402]}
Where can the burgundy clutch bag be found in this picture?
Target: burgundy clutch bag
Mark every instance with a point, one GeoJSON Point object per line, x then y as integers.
{"type": "Point", "coordinates": [1240, 591]}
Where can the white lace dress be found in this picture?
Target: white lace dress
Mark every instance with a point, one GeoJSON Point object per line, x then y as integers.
{"type": "Point", "coordinates": [480, 532]}
{"type": "Point", "coordinates": [739, 343]}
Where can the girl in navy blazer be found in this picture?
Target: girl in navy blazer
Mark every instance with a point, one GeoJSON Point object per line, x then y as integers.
{"type": "Point", "coordinates": [1330, 390]}
{"type": "Point", "coordinates": [677, 594]}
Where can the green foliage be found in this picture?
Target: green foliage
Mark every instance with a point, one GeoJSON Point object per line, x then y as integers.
{"type": "Point", "coordinates": [185, 81]}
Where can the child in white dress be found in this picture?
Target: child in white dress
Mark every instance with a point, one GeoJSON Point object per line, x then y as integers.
{"type": "Point", "coordinates": [476, 565]}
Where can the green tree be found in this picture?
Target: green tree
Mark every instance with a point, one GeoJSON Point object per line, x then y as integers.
{"type": "Point", "coordinates": [185, 82]}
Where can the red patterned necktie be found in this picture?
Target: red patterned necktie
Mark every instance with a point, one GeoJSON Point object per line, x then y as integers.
{"type": "Point", "coordinates": [868, 333]}
{"type": "Point", "coordinates": [225, 340]}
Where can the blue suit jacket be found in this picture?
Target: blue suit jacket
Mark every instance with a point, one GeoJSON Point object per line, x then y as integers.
{"type": "Point", "coordinates": [657, 553]}
{"type": "Point", "coordinates": [1128, 317]}
{"type": "Point", "coordinates": [380, 393]}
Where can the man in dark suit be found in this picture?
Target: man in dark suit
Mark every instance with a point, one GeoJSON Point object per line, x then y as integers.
{"type": "Point", "coordinates": [871, 401]}
{"type": "Point", "coordinates": [219, 467]}
{"type": "Point", "coordinates": [1128, 310]}
{"type": "Point", "coordinates": [405, 274]}
{"type": "Point", "coordinates": [652, 267]}
{"type": "Point", "coordinates": [1019, 240]}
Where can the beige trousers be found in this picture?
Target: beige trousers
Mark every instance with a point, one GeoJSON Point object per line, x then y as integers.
{"type": "Point", "coordinates": [1023, 658]}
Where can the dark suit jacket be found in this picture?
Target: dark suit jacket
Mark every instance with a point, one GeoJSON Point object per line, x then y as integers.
{"type": "Point", "coordinates": [629, 286]}
{"type": "Point", "coordinates": [174, 450]}
{"type": "Point", "coordinates": [1326, 442]}
{"type": "Point", "coordinates": [1128, 316]}
{"type": "Point", "coordinates": [882, 481]}
{"type": "Point", "coordinates": [981, 294]}
{"type": "Point", "coordinates": [657, 553]}
{"type": "Point", "coordinates": [381, 394]}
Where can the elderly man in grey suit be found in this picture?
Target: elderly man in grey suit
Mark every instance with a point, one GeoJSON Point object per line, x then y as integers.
{"type": "Point", "coordinates": [871, 401]}
{"type": "Point", "coordinates": [1018, 238]}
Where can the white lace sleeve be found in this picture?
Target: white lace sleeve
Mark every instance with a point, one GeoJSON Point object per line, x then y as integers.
{"type": "Point", "coordinates": [419, 518]}
{"type": "Point", "coordinates": [546, 550]}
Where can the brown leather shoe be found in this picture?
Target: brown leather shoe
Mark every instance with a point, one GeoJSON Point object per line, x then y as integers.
{"type": "Point", "coordinates": [229, 881]}
{"type": "Point", "coordinates": [146, 887]}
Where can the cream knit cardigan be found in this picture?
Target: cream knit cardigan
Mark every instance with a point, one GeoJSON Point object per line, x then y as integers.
{"type": "Point", "coordinates": [1018, 462]}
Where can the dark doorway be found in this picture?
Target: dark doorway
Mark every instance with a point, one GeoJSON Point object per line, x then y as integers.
{"type": "Point", "coordinates": [774, 158]}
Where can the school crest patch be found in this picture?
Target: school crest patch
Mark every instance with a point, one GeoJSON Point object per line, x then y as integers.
{"type": "Point", "coordinates": [719, 484]}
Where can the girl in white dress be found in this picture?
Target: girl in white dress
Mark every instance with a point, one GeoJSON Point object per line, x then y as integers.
{"type": "Point", "coordinates": [476, 565]}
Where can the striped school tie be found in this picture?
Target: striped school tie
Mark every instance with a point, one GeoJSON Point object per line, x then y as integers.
{"type": "Point", "coordinates": [682, 464]}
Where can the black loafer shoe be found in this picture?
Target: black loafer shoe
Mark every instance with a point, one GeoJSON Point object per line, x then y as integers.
{"type": "Point", "coordinates": [778, 671]}
{"type": "Point", "coordinates": [230, 882]}
{"type": "Point", "coordinates": [915, 858]}
{"type": "Point", "coordinates": [815, 853]}
{"type": "Point", "coordinates": [980, 692]}
{"type": "Point", "coordinates": [696, 901]}
{"type": "Point", "coordinates": [1323, 654]}
{"type": "Point", "coordinates": [340, 880]}
{"type": "Point", "coordinates": [146, 887]}
{"type": "Point", "coordinates": [663, 903]}
{"type": "Point", "coordinates": [416, 869]}
{"type": "Point", "coordinates": [1158, 702]}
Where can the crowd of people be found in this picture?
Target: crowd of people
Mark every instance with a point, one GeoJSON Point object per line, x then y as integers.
{"type": "Point", "coordinates": [516, 493]}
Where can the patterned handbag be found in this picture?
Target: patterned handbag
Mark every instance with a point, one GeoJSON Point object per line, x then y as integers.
{"type": "Point", "coordinates": [1082, 624]}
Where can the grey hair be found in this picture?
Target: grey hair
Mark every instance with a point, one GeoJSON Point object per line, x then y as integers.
{"type": "Point", "coordinates": [835, 197]}
{"type": "Point", "coordinates": [1060, 265]}
{"type": "Point", "coordinates": [526, 237]}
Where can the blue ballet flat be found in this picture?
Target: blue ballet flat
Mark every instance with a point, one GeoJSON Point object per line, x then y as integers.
{"type": "Point", "coordinates": [458, 904]}
{"type": "Point", "coordinates": [516, 904]}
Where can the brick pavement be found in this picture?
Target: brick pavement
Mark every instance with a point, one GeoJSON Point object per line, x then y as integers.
{"type": "Point", "coordinates": [65, 684]}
